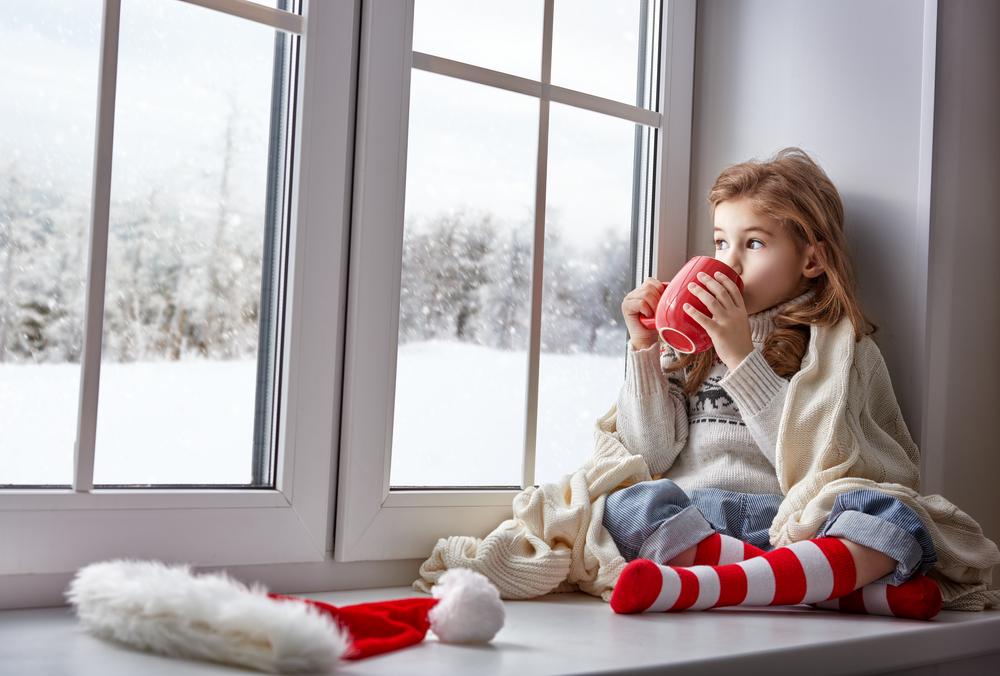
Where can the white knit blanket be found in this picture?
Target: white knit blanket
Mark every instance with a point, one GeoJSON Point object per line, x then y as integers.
{"type": "Point", "coordinates": [841, 429]}
{"type": "Point", "coordinates": [556, 541]}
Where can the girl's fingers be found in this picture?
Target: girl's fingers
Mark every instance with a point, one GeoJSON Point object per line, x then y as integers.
{"type": "Point", "coordinates": [649, 300]}
{"type": "Point", "coordinates": [705, 297]}
{"type": "Point", "coordinates": [718, 290]}
{"type": "Point", "coordinates": [730, 285]}
{"type": "Point", "coordinates": [641, 306]}
{"type": "Point", "coordinates": [697, 315]}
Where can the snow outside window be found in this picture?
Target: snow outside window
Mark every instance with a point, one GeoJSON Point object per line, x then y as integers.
{"type": "Point", "coordinates": [193, 244]}
{"type": "Point", "coordinates": [511, 165]}
{"type": "Point", "coordinates": [168, 379]}
{"type": "Point", "coordinates": [562, 181]}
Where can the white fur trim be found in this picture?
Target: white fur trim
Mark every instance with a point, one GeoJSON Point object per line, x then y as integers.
{"type": "Point", "coordinates": [469, 609]}
{"type": "Point", "coordinates": [167, 610]}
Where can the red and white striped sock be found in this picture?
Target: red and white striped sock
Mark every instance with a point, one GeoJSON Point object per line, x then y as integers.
{"type": "Point", "coordinates": [809, 571]}
{"type": "Point", "coordinates": [918, 598]}
{"type": "Point", "coordinates": [718, 549]}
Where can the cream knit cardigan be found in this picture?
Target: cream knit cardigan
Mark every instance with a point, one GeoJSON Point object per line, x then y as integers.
{"type": "Point", "coordinates": [841, 429]}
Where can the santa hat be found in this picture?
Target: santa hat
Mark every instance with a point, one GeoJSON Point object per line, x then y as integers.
{"type": "Point", "coordinates": [168, 610]}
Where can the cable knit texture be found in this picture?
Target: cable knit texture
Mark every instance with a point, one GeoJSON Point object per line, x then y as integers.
{"type": "Point", "coordinates": [556, 540]}
{"type": "Point", "coordinates": [721, 437]}
{"type": "Point", "coordinates": [839, 429]}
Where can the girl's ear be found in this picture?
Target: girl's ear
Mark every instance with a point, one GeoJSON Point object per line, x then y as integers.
{"type": "Point", "coordinates": [813, 263]}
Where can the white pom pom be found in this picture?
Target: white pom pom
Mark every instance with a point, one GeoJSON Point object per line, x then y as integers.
{"type": "Point", "coordinates": [469, 609]}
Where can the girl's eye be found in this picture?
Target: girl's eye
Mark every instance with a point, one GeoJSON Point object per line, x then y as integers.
{"type": "Point", "coordinates": [720, 242]}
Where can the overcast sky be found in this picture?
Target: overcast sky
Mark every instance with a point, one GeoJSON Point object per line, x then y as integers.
{"type": "Point", "coordinates": [471, 147]}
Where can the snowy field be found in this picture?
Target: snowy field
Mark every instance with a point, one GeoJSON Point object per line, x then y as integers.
{"type": "Point", "coordinates": [459, 418]}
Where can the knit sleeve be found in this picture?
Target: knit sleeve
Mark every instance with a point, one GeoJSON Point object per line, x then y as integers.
{"type": "Point", "coordinates": [652, 409]}
{"type": "Point", "coordinates": [759, 393]}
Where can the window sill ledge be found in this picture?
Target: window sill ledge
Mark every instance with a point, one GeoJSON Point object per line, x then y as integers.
{"type": "Point", "coordinates": [575, 633]}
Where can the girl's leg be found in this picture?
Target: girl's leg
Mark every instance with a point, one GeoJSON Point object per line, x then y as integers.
{"type": "Point", "coordinates": [654, 520]}
{"type": "Point", "coordinates": [890, 538]}
{"type": "Point", "coordinates": [687, 557]}
{"type": "Point", "coordinates": [869, 538]}
{"type": "Point", "coordinates": [880, 523]}
{"type": "Point", "coordinates": [811, 571]}
{"type": "Point", "coordinates": [741, 522]}
{"type": "Point", "coordinates": [716, 549]}
{"type": "Point", "coordinates": [869, 564]}
{"type": "Point", "coordinates": [657, 520]}
{"type": "Point", "coordinates": [734, 508]}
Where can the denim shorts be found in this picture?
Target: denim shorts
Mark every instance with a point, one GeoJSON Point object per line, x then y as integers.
{"type": "Point", "coordinates": [657, 520]}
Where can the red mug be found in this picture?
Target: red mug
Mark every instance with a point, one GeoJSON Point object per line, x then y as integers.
{"type": "Point", "coordinates": [673, 324]}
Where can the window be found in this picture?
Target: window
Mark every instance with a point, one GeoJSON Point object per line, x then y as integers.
{"type": "Point", "coordinates": [194, 249]}
{"type": "Point", "coordinates": [49, 66]}
{"type": "Point", "coordinates": [164, 259]}
{"type": "Point", "coordinates": [317, 365]}
{"type": "Point", "coordinates": [192, 243]}
{"type": "Point", "coordinates": [510, 187]}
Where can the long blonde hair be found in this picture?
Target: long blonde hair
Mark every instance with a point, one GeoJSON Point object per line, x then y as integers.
{"type": "Point", "coordinates": [793, 190]}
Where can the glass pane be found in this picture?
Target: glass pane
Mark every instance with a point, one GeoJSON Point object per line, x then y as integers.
{"type": "Point", "coordinates": [464, 303]}
{"type": "Point", "coordinates": [48, 67]}
{"type": "Point", "coordinates": [189, 194]}
{"type": "Point", "coordinates": [597, 45]}
{"type": "Point", "coordinates": [587, 271]}
{"type": "Point", "coordinates": [504, 36]}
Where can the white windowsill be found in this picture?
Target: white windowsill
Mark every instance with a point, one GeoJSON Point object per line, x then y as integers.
{"type": "Point", "coordinates": [576, 633]}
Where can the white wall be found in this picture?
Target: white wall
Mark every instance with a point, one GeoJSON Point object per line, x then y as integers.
{"type": "Point", "coordinates": [853, 83]}
{"type": "Point", "coordinates": [842, 80]}
{"type": "Point", "coordinates": [963, 309]}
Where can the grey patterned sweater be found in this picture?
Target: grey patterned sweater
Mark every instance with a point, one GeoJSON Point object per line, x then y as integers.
{"type": "Point", "coordinates": [723, 436]}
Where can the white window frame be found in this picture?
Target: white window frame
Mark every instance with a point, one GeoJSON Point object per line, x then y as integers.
{"type": "Point", "coordinates": [48, 534]}
{"type": "Point", "coordinates": [374, 522]}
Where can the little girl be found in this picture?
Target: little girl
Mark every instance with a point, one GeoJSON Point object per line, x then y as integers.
{"type": "Point", "coordinates": [708, 423]}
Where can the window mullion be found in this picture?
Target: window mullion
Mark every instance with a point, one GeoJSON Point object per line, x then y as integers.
{"type": "Point", "coordinates": [522, 85]}
{"type": "Point", "coordinates": [276, 18]}
{"type": "Point", "coordinates": [672, 148]}
{"type": "Point", "coordinates": [538, 256]}
{"type": "Point", "coordinates": [90, 377]}
{"type": "Point", "coordinates": [284, 75]}
{"type": "Point", "coordinates": [641, 187]}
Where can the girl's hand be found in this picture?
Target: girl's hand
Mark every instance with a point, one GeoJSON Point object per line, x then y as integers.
{"type": "Point", "coordinates": [729, 326]}
{"type": "Point", "coordinates": [642, 301]}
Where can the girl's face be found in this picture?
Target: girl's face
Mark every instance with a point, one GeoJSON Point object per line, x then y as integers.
{"type": "Point", "coordinates": [763, 254]}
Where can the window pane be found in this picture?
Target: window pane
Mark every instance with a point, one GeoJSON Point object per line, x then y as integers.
{"type": "Point", "coordinates": [48, 67]}
{"type": "Point", "coordinates": [189, 194]}
{"type": "Point", "coordinates": [504, 36]}
{"type": "Point", "coordinates": [596, 46]}
{"type": "Point", "coordinates": [463, 326]}
{"type": "Point", "coordinates": [587, 271]}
